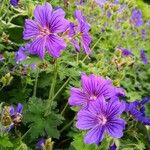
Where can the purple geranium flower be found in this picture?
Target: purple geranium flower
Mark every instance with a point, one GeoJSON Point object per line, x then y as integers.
{"type": "Point", "coordinates": [20, 55]}
{"type": "Point", "coordinates": [14, 2]}
{"type": "Point", "coordinates": [136, 18]}
{"type": "Point", "coordinates": [143, 56]}
{"type": "Point", "coordinates": [2, 57]}
{"type": "Point", "coordinates": [125, 52]}
{"type": "Point", "coordinates": [81, 31]}
{"type": "Point", "coordinates": [116, 1]}
{"type": "Point", "coordinates": [113, 147]}
{"type": "Point", "coordinates": [41, 144]}
{"type": "Point", "coordinates": [43, 31]}
{"type": "Point", "coordinates": [137, 109]}
{"type": "Point", "coordinates": [93, 87]}
{"type": "Point", "coordinates": [101, 3]}
{"type": "Point", "coordinates": [100, 118]}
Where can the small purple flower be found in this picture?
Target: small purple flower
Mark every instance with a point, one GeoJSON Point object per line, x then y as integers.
{"type": "Point", "coordinates": [143, 33]}
{"type": "Point", "coordinates": [137, 109]}
{"type": "Point", "coordinates": [1, 57]}
{"type": "Point", "coordinates": [108, 14]}
{"type": "Point", "coordinates": [16, 113]}
{"type": "Point", "coordinates": [20, 55]}
{"type": "Point", "coordinates": [125, 52]}
{"type": "Point", "coordinates": [41, 144]}
{"type": "Point", "coordinates": [44, 29]}
{"type": "Point", "coordinates": [14, 2]}
{"type": "Point", "coordinates": [101, 3]}
{"type": "Point", "coordinates": [100, 118]}
{"type": "Point", "coordinates": [80, 30]}
{"type": "Point", "coordinates": [93, 87]}
{"type": "Point", "coordinates": [136, 18]}
{"type": "Point", "coordinates": [116, 1]}
{"type": "Point", "coordinates": [113, 147]}
{"type": "Point", "coordinates": [143, 56]}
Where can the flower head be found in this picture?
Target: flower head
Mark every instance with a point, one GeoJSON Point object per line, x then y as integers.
{"type": "Point", "coordinates": [113, 147]}
{"type": "Point", "coordinates": [14, 2]}
{"type": "Point", "coordinates": [44, 144]}
{"type": "Point", "coordinates": [137, 109]}
{"type": "Point", "coordinates": [21, 54]}
{"type": "Point", "coordinates": [41, 144]}
{"type": "Point", "coordinates": [81, 32]}
{"type": "Point", "coordinates": [93, 87]}
{"type": "Point", "coordinates": [136, 18]}
{"type": "Point", "coordinates": [143, 56]}
{"type": "Point", "coordinates": [100, 118]}
{"type": "Point", "coordinates": [100, 2]}
{"type": "Point", "coordinates": [125, 52]}
{"type": "Point", "coordinates": [44, 29]}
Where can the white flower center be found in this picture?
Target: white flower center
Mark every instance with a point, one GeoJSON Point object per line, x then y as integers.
{"type": "Point", "coordinates": [102, 119]}
{"type": "Point", "coordinates": [93, 97]}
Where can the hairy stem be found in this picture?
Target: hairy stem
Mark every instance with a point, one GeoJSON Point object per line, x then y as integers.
{"type": "Point", "coordinates": [35, 85]}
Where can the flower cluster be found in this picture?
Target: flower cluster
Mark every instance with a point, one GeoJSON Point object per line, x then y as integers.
{"type": "Point", "coordinates": [137, 110]}
{"type": "Point", "coordinates": [100, 108]}
{"type": "Point", "coordinates": [11, 116]}
{"type": "Point", "coordinates": [45, 144]}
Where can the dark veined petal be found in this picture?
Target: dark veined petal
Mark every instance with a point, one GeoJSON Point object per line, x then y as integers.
{"type": "Point", "coordinates": [89, 83]}
{"type": "Point", "coordinates": [57, 22]}
{"type": "Point", "coordinates": [115, 108]}
{"type": "Point", "coordinates": [95, 135]}
{"type": "Point", "coordinates": [19, 108]}
{"type": "Point", "coordinates": [86, 40]}
{"type": "Point", "coordinates": [75, 43]}
{"type": "Point", "coordinates": [42, 14]}
{"type": "Point", "coordinates": [38, 47]}
{"type": "Point", "coordinates": [77, 97]}
{"type": "Point", "coordinates": [114, 127]}
{"type": "Point", "coordinates": [98, 106]}
{"type": "Point", "coordinates": [55, 45]}
{"type": "Point", "coordinates": [86, 120]}
{"type": "Point", "coordinates": [84, 26]}
{"type": "Point", "coordinates": [31, 29]}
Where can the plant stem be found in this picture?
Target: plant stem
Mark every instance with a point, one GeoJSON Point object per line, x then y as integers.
{"type": "Point", "coordinates": [25, 133]}
{"type": "Point", "coordinates": [69, 124]}
{"type": "Point", "coordinates": [64, 109]}
{"type": "Point", "coordinates": [92, 49]}
{"type": "Point", "coordinates": [35, 85]}
{"type": "Point", "coordinates": [51, 91]}
{"type": "Point", "coordinates": [77, 58]}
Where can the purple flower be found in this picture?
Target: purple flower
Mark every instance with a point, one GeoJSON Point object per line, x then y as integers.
{"type": "Point", "coordinates": [20, 55]}
{"type": "Point", "coordinates": [44, 29]}
{"type": "Point", "coordinates": [136, 18]}
{"type": "Point", "coordinates": [113, 147]}
{"type": "Point", "coordinates": [143, 33]}
{"type": "Point", "coordinates": [101, 3]}
{"type": "Point", "coordinates": [137, 109]}
{"type": "Point", "coordinates": [93, 87]}
{"type": "Point", "coordinates": [41, 144]}
{"type": "Point", "coordinates": [100, 118]}
{"type": "Point", "coordinates": [108, 14]}
{"type": "Point", "coordinates": [81, 31]}
{"type": "Point", "coordinates": [116, 1]}
{"type": "Point", "coordinates": [16, 113]}
{"type": "Point", "coordinates": [143, 56]}
{"type": "Point", "coordinates": [125, 52]}
{"type": "Point", "coordinates": [14, 2]}
{"type": "Point", "coordinates": [1, 57]}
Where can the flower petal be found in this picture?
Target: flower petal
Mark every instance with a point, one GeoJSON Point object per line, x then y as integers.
{"type": "Point", "coordinates": [115, 127]}
{"type": "Point", "coordinates": [19, 108]}
{"type": "Point", "coordinates": [38, 47]}
{"type": "Point", "coordinates": [43, 13]}
{"type": "Point", "coordinates": [86, 40]}
{"type": "Point", "coordinates": [77, 97]}
{"type": "Point", "coordinates": [95, 135]}
{"type": "Point", "coordinates": [57, 22]}
{"type": "Point", "coordinates": [115, 108]}
{"type": "Point", "coordinates": [31, 29]}
{"type": "Point", "coordinates": [55, 45]}
{"type": "Point", "coordinates": [85, 120]}
{"type": "Point", "coordinates": [98, 106]}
